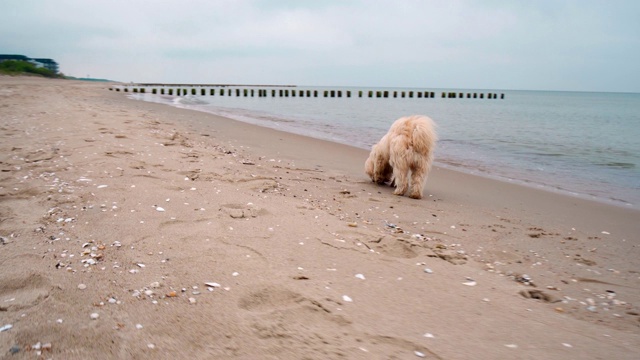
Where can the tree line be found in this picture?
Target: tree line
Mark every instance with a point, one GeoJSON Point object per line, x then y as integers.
{"type": "Point", "coordinates": [19, 67]}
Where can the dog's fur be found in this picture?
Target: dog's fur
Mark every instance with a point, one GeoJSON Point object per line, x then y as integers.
{"type": "Point", "coordinates": [406, 150]}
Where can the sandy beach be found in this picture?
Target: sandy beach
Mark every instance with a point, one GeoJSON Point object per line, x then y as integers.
{"type": "Point", "coordinates": [134, 230]}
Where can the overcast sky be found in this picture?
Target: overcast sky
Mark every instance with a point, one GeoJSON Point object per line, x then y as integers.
{"type": "Point", "coordinates": [585, 45]}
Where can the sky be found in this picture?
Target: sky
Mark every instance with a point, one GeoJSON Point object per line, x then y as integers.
{"type": "Point", "coordinates": [580, 45]}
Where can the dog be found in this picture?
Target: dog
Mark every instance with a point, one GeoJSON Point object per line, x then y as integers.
{"type": "Point", "coordinates": [405, 151]}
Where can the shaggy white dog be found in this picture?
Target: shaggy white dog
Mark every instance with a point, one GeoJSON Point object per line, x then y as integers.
{"type": "Point", "coordinates": [406, 150]}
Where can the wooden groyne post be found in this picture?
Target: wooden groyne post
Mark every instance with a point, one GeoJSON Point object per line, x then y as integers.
{"type": "Point", "coordinates": [251, 91]}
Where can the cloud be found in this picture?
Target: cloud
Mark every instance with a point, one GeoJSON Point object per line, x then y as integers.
{"type": "Point", "coordinates": [457, 43]}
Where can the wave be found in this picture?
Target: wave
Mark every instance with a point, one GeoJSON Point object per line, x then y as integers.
{"type": "Point", "coordinates": [188, 100]}
{"type": "Point", "coordinates": [619, 165]}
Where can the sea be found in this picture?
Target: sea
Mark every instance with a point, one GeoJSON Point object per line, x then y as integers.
{"type": "Point", "coordinates": [584, 144]}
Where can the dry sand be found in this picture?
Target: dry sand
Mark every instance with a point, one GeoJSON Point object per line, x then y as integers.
{"type": "Point", "coordinates": [127, 209]}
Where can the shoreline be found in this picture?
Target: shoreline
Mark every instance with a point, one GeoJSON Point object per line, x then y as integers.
{"type": "Point", "coordinates": [140, 230]}
{"type": "Point", "coordinates": [563, 201]}
{"type": "Point", "coordinates": [543, 187]}
{"type": "Point", "coordinates": [615, 194]}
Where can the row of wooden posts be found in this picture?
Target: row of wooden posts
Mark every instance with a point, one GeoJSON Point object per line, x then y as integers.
{"type": "Point", "coordinates": [307, 93]}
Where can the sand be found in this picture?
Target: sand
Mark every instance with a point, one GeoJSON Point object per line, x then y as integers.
{"type": "Point", "coordinates": [133, 230]}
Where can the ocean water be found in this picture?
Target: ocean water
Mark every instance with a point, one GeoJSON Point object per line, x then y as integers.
{"type": "Point", "coordinates": [580, 143]}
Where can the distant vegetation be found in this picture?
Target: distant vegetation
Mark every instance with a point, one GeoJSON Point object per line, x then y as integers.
{"type": "Point", "coordinates": [19, 67]}
{"type": "Point", "coordinates": [87, 79]}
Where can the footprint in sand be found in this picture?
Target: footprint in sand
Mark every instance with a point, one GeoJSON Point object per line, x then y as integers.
{"type": "Point", "coordinates": [240, 211]}
{"type": "Point", "coordinates": [387, 244]}
{"type": "Point", "coordinates": [118, 153]}
{"type": "Point", "coordinates": [19, 291]}
{"type": "Point", "coordinates": [259, 184]}
{"type": "Point", "coordinates": [388, 346]}
{"type": "Point", "coordinates": [24, 193]}
{"type": "Point", "coordinates": [396, 247]}
{"type": "Point", "coordinates": [380, 243]}
{"type": "Point", "coordinates": [276, 313]}
{"type": "Point", "coordinates": [281, 317]}
{"type": "Point", "coordinates": [275, 302]}
{"type": "Point", "coordinates": [199, 175]}
{"type": "Point", "coordinates": [269, 298]}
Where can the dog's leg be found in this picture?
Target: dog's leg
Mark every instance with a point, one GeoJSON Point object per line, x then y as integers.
{"type": "Point", "coordinates": [418, 178]}
{"type": "Point", "coordinates": [382, 171]}
{"type": "Point", "coordinates": [379, 164]}
{"type": "Point", "coordinates": [401, 182]}
{"type": "Point", "coordinates": [399, 161]}
{"type": "Point", "coordinates": [388, 174]}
